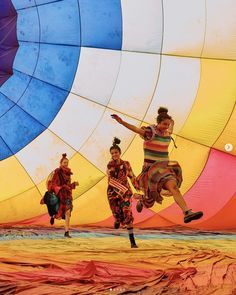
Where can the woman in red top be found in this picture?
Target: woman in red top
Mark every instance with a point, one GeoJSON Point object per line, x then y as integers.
{"type": "Point", "coordinates": [61, 185]}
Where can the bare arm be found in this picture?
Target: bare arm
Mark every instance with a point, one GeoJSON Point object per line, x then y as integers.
{"type": "Point", "coordinates": [131, 127]}
{"type": "Point", "coordinates": [171, 127]}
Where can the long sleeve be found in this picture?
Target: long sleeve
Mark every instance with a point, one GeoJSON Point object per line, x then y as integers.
{"type": "Point", "coordinates": [131, 175]}
{"type": "Point", "coordinates": [72, 185]}
{"type": "Point", "coordinates": [110, 169]}
{"type": "Point", "coordinates": [108, 174]}
{"type": "Point", "coordinates": [55, 184]}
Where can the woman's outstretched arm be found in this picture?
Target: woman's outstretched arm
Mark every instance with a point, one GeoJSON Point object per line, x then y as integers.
{"type": "Point", "coordinates": [171, 127]}
{"type": "Point", "coordinates": [131, 127]}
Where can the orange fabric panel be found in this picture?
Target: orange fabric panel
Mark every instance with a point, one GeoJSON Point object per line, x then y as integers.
{"type": "Point", "coordinates": [224, 218]}
{"type": "Point", "coordinates": [95, 264]}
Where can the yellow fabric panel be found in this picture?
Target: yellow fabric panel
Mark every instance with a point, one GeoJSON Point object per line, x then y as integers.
{"type": "Point", "coordinates": [21, 207]}
{"type": "Point", "coordinates": [13, 178]}
{"type": "Point", "coordinates": [214, 102]}
{"type": "Point", "coordinates": [228, 135]}
{"type": "Point", "coordinates": [92, 206]}
{"type": "Point", "coordinates": [192, 158]}
{"type": "Point", "coordinates": [83, 171]}
{"type": "Point", "coordinates": [152, 253]}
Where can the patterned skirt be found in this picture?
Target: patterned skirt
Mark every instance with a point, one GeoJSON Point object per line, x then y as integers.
{"type": "Point", "coordinates": [120, 205]}
{"type": "Point", "coordinates": [152, 180]}
{"type": "Point", "coordinates": [65, 203]}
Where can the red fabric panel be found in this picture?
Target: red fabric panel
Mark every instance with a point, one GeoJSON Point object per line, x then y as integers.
{"type": "Point", "coordinates": [214, 188]}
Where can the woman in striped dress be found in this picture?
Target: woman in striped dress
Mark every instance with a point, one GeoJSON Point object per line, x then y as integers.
{"type": "Point", "coordinates": [158, 171]}
{"type": "Point", "coordinates": [119, 192]}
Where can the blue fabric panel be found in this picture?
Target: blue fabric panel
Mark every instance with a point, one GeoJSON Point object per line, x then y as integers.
{"type": "Point", "coordinates": [45, 102]}
{"type": "Point", "coordinates": [57, 65]}
{"type": "Point", "coordinates": [28, 25]}
{"type": "Point", "coordinates": [60, 22]}
{"type": "Point", "coordinates": [27, 57]}
{"type": "Point", "coordinates": [5, 104]}
{"type": "Point", "coordinates": [39, 2]}
{"type": "Point", "coordinates": [15, 86]}
{"type": "Point", "coordinates": [5, 152]}
{"type": "Point", "coordinates": [101, 23]}
{"type": "Point", "coordinates": [17, 128]}
{"type": "Point", "coordinates": [23, 3]}
{"type": "Point", "coordinates": [50, 41]}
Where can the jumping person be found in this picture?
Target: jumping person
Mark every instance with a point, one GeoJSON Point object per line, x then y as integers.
{"type": "Point", "coordinates": [158, 171]}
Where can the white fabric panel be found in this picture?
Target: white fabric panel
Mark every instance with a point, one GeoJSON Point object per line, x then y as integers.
{"type": "Point", "coordinates": [43, 155]}
{"type": "Point", "coordinates": [184, 27]}
{"type": "Point", "coordinates": [220, 40]}
{"type": "Point", "coordinates": [96, 74]}
{"type": "Point", "coordinates": [76, 120]}
{"type": "Point", "coordinates": [142, 25]}
{"type": "Point", "coordinates": [136, 83]}
{"type": "Point", "coordinates": [96, 149]}
{"type": "Point", "coordinates": [176, 89]}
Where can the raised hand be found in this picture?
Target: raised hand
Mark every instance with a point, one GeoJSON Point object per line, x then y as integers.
{"type": "Point", "coordinates": [117, 118]}
{"type": "Point", "coordinates": [67, 187]}
{"type": "Point", "coordinates": [127, 125]}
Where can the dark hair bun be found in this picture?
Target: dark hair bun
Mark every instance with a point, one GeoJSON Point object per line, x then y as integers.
{"type": "Point", "coordinates": [116, 141]}
{"type": "Point", "coordinates": [64, 155]}
{"type": "Point", "coordinates": [162, 110]}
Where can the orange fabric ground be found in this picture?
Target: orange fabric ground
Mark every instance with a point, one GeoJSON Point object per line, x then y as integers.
{"type": "Point", "coordinates": [43, 262]}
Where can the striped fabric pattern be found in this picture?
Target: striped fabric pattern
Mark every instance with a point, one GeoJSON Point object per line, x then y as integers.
{"type": "Point", "coordinates": [156, 148]}
{"type": "Point", "coordinates": [117, 184]}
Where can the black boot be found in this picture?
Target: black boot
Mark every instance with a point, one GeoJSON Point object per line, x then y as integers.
{"type": "Point", "coordinates": [116, 224]}
{"type": "Point", "coordinates": [66, 235]}
{"type": "Point", "coordinates": [52, 220]}
{"type": "Point", "coordinates": [190, 215]}
{"type": "Point", "coordinates": [131, 238]}
{"type": "Point", "coordinates": [139, 206]}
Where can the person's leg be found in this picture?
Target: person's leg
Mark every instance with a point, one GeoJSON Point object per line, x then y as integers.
{"type": "Point", "coordinates": [114, 202]}
{"type": "Point", "coordinates": [128, 220]}
{"type": "Point", "coordinates": [131, 236]}
{"type": "Point", "coordinates": [147, 200]}
{"type": "Point", "coordinates": [173, 188]}
{"type": "Point", "coordinates": [52, 220]}
{"type": "Point", "coordinates": [189, 215]}
{"type": "Point", "coordinates": [117, 213]}
{"type": "Point", "coordinates": [67, 223]}
{"type": "Point", "coordinates": [149, 181]}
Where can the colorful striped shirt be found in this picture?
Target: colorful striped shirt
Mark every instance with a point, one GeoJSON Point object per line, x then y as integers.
{"type": "Point", "coordinates": [155, 145]}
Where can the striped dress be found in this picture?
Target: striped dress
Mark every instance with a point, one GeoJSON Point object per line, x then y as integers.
{"type": "Point", "coordinates": [157, 168]}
